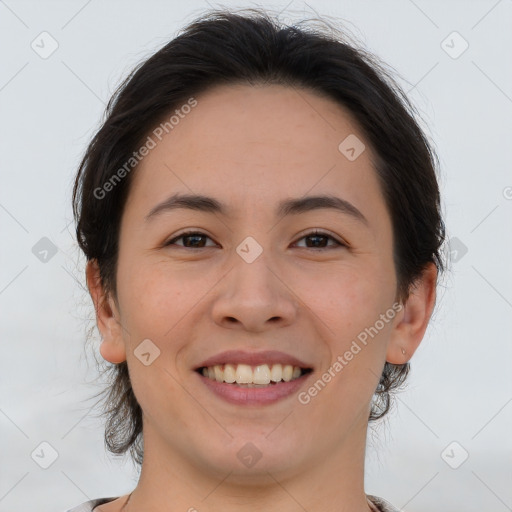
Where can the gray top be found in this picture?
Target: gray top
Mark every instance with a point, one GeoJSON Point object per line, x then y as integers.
{"type": "Point", "coordinates": [88, 506]}
{"type": "Point", "coordinates": [380, 504]}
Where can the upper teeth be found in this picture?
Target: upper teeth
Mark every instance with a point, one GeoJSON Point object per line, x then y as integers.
{"type": "Point", "coordinates": [245, 374]}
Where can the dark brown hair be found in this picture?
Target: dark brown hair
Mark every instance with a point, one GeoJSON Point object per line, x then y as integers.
{"type": "Point", "coordinates": [252, 47]}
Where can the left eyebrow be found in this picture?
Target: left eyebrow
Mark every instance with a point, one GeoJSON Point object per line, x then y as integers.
{"type": "Point", "coordinates": [285, 207]}
{"type": "Point", "coordinates": [309, 203]}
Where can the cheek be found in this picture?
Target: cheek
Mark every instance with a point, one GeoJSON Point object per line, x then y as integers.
{"type": "Point", "coordinates": [155, 295]}
{"type": "Point", "coordinates": [350, 308]}
{"type": "Point", "coordinates": [348, 300]}
{"type": "Point", "coordinates": [154, 306]}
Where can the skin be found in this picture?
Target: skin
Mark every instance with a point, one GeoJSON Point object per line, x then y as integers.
{"type": "Point", "coordinates": [250, 147]}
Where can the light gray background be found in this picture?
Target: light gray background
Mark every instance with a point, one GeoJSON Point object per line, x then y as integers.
{"type": "Point", "coordinates": [460, 388]}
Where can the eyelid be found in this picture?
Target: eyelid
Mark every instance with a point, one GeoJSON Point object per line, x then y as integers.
{"type": "Point", "coordinates": [311, 232]}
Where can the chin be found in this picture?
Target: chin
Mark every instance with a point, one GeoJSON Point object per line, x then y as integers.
{"type": "Point", "coordinates": [249, 455]}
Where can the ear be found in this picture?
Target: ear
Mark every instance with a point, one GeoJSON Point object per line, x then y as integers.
{"type": "Point", "coordinates": [412, 321]}
{"type": "Point", "coordinates": [112, 346]}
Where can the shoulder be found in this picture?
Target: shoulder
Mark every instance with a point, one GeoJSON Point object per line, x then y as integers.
{"type": "Point", "coordinates": [88, 506]}
{"type": "Point", "coordinates": [381, 505]}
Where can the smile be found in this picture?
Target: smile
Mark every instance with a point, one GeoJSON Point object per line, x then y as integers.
{"type": "Point", "coordinates": [245, 375]}
{"type": "Point", "coordinates": [253, 386]}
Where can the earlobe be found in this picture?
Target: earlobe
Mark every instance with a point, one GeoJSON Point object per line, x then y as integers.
{"type": "Point", "coordinates": [112, 352]}
{"type": "Point", "coordinates": [412, 321]}
{"type": "Point", "coordinates": [112, 346]}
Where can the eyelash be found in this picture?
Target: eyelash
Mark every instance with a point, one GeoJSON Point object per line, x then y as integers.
{"type": "Point", "coordinates": [307, 235]}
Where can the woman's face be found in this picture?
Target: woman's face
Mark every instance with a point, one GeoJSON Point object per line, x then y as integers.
{"type": "Point", "coordinates": [255, 280]}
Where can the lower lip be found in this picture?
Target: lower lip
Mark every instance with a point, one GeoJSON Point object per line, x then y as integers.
{"type": "Point", "coordinates": [239, 395]}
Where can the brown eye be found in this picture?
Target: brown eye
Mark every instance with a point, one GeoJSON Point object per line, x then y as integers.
{"type": "Point", "coordinates": [192, 239]}
{"type": "Point", "coordinates": [320, 239]}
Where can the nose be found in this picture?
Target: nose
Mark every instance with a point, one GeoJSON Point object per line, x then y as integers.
{"type": "Point", "coordinates": [255, 297]}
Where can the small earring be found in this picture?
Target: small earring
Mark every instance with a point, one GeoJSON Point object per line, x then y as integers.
{"type": "Point", "coordinates": [403, 351]}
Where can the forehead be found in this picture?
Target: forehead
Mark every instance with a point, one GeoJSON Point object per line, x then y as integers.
{"type": "Point", "coordinates": [288, 119]}
{"type": "Point", "coordinates": [253, 145]}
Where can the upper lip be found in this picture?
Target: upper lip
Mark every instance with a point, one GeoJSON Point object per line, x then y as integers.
{"type": "Point", "coordinates": [253, 358]}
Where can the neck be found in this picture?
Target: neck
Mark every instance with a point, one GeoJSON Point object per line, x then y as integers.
{"type": "Point", "coordinates": [170, 481]}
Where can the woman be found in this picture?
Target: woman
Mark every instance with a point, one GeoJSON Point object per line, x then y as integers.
{"type": "Point", "coordinates": [261, 218]}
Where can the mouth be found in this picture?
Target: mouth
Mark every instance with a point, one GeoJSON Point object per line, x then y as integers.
{"type": "Point", "coordinates": [253, 376]}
